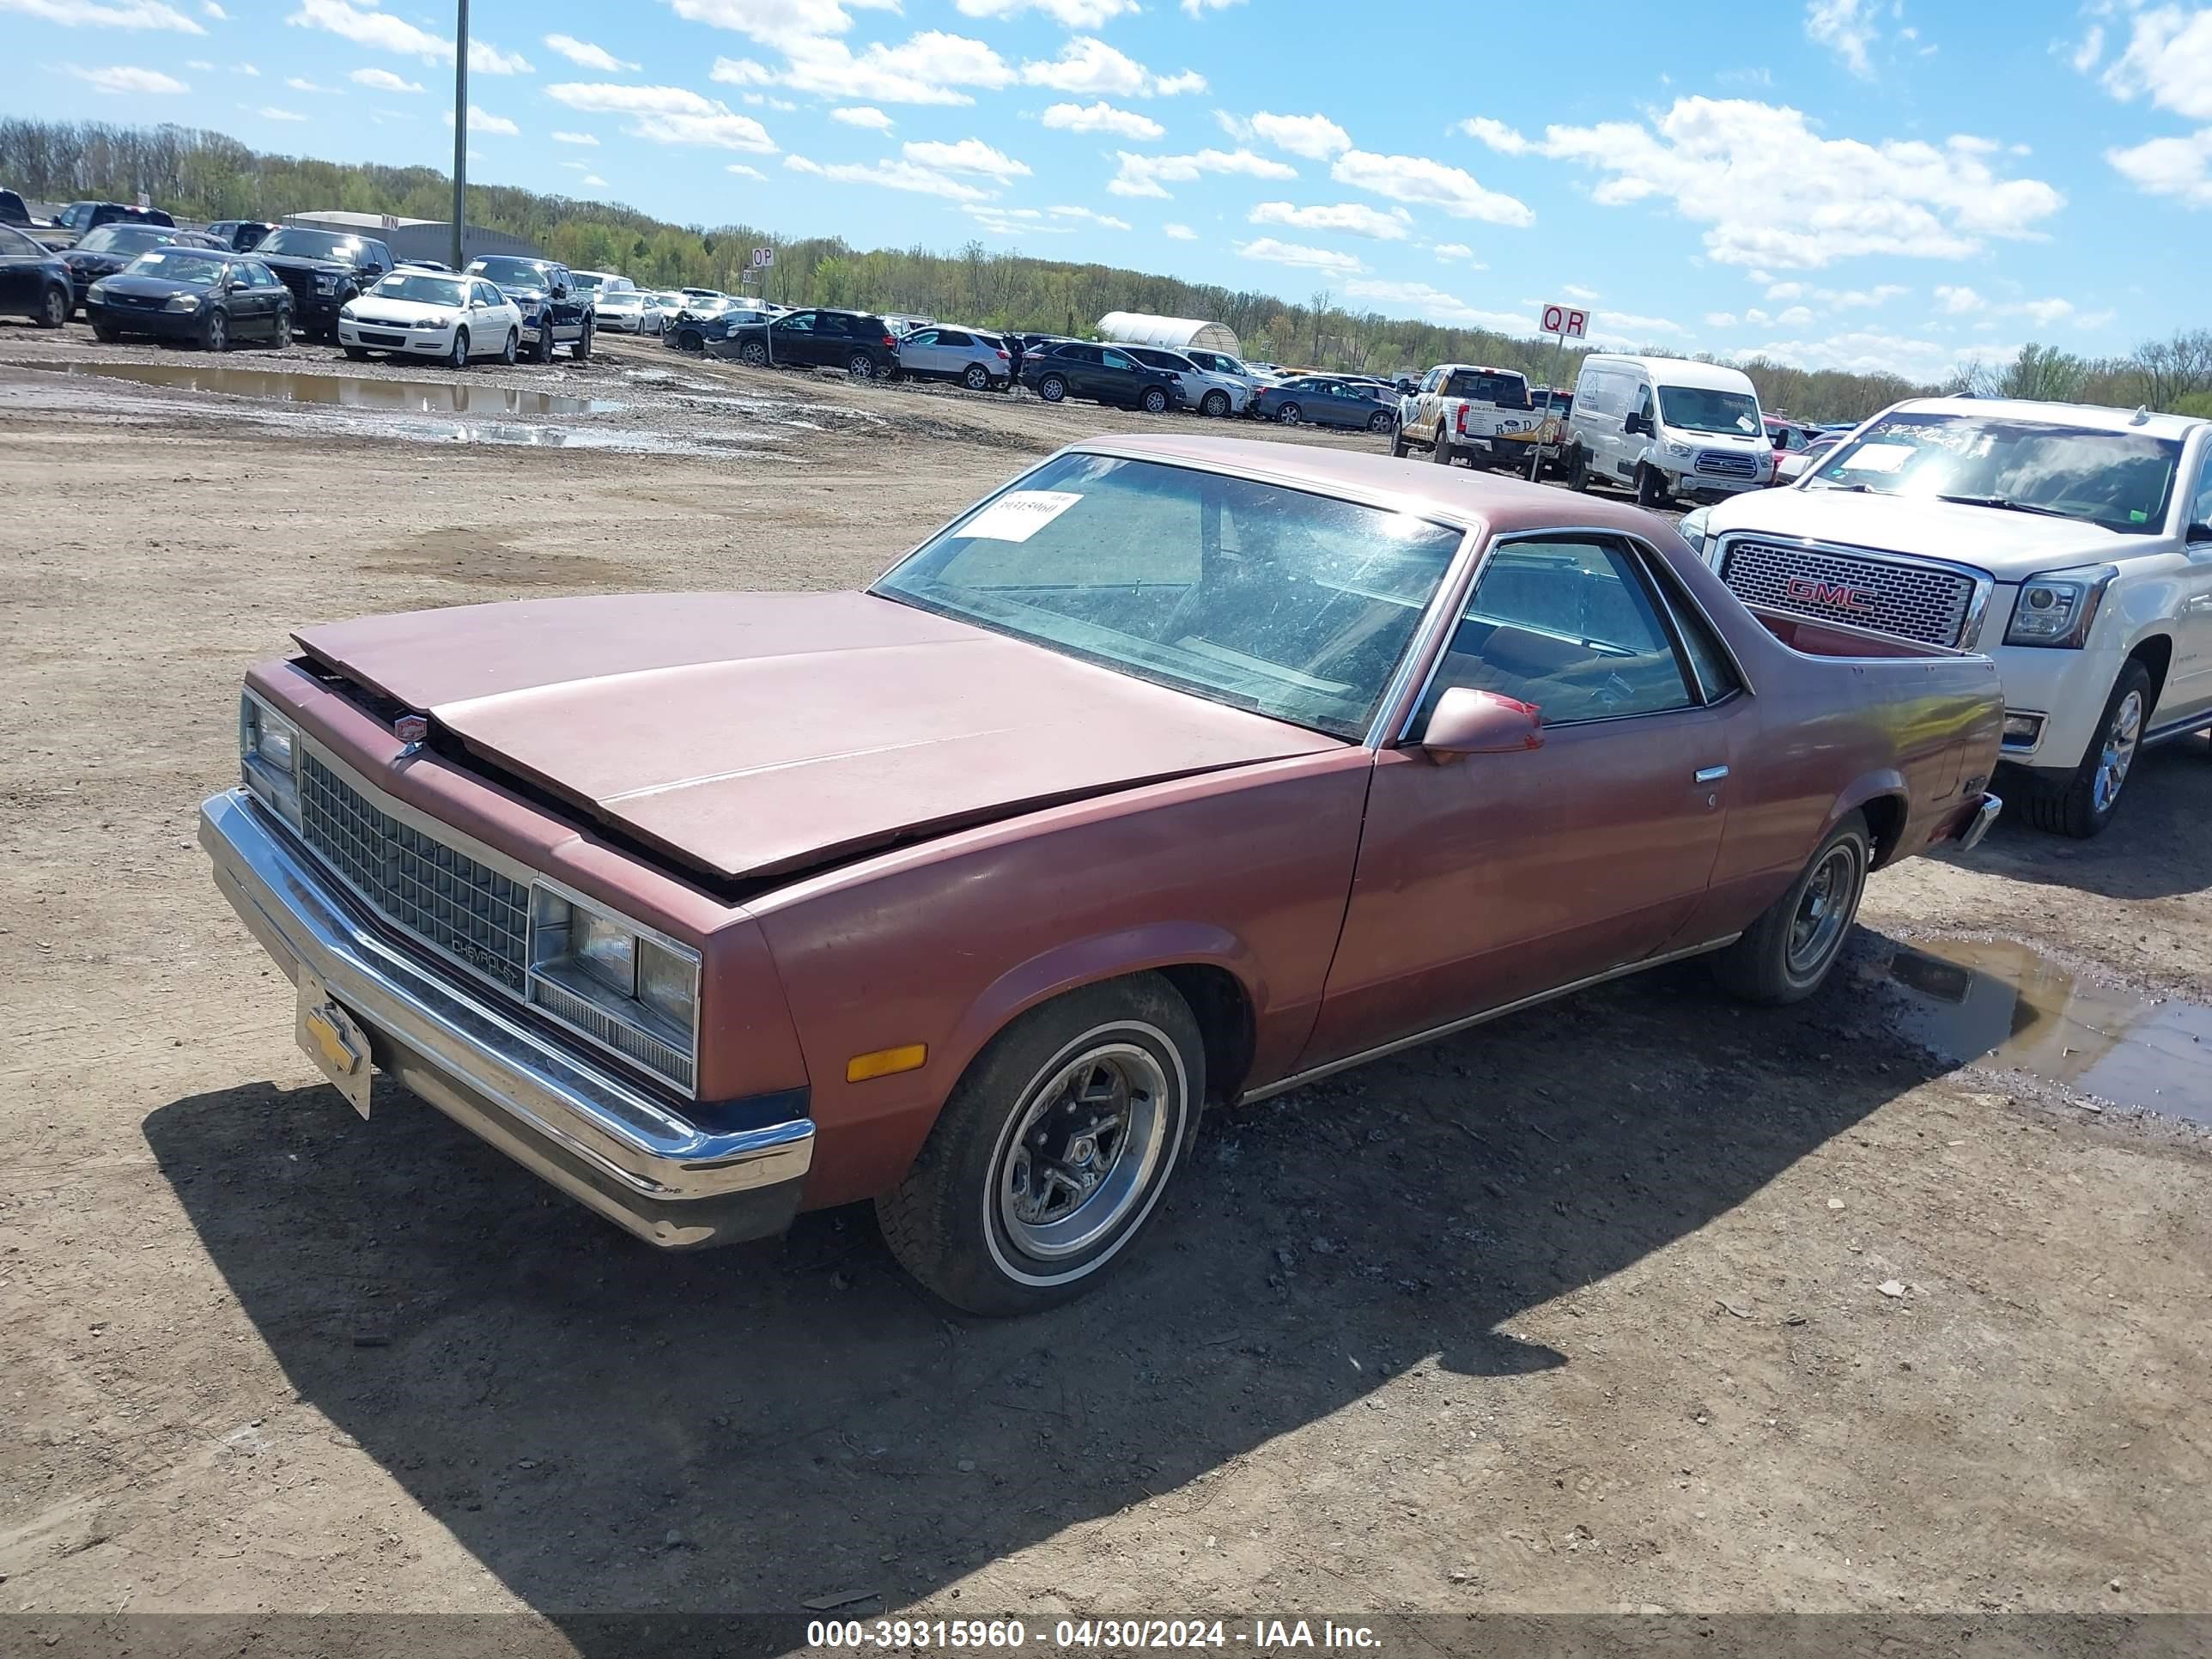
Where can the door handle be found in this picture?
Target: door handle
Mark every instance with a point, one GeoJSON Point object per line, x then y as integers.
{"type": "Point", "coordinates": [1711, 774]}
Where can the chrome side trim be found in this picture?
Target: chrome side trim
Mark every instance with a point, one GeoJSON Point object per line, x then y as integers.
{"type": "Point", "coordinates": [588, 1131]}
{"type": "Point", "coordinates": [1455, 1027]}
{"type": "Point", "coordinates": [2180, 728]}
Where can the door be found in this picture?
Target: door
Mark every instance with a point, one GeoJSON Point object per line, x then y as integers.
{"type": "Point", "coordinates": [921, 353]}
{"type": "Point", "coordinates": [790, 339]}
{"type": "Point", "coordinates": [20, 277]}
{"type": "Point", "coordinates": [1119, 380]}
{"type": "Point", "coordinates": [566, 308]}
{"type": "Point", "coordinates": [1493, 878]}
{"type": "Point", "coordinates": [2189, 689]}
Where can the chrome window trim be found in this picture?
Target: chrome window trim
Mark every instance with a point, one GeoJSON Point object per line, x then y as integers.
{"type": "Point", "coordinates": [1471, 525]}
{"type": "Point", "coordinates": [1405, 725]}
{"type": "Point", "coordinates": [1970, 626]}
{"type": "Point", "coordinates": [1675, 597]}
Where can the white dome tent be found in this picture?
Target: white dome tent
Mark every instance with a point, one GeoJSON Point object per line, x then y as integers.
{"type": "Point", "coordinates": [1171, 333]}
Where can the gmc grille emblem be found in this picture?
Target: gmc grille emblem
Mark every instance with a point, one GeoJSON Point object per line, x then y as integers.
{"type": "Point", "coordinates": [1840, 596]}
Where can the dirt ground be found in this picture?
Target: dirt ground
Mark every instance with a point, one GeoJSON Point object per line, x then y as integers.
{"type": "Point", "coordinates": [1576, 1311]}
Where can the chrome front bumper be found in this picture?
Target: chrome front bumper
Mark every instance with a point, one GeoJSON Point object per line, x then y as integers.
{"type": "Point", "coordinates": [600, 1139]}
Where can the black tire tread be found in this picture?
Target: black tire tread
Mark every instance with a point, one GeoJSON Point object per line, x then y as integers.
{"type": "Point", "coordinates": [2068, 808]}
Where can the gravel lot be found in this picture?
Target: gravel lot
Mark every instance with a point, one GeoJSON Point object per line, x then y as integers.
{"type": "Point", "coordinates": [1578, 1311]}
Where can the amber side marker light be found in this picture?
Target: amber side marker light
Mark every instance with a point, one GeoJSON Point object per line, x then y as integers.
{"type": "Point", "coordinates": [886, 1062]}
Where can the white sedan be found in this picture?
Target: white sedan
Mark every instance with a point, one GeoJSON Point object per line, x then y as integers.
{"type": "Point", "coordinates": [432, 315]}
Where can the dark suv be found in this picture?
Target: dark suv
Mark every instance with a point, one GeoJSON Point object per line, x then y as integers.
{"type": "Point", "coordinates": [1105, 375]}
{"type": "Point", "coordinates": [858, 342]}
{"type": "Point", "coordinates": [324, 269]}
{"type": "Point", "coordinates": [555, 310]}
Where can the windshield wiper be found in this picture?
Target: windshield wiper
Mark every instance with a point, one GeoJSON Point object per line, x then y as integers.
{"type": "Point", "coordinates": [1852, 488]}
{"type": "Point", "coordinates": [2008, 505]}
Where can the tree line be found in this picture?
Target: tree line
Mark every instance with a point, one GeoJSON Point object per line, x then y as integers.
{"type": "Point", "coordinates": [209, 175]}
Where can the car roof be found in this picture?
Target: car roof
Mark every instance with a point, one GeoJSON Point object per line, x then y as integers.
{"type": "Point", "coordinates": [2096, 417]}
{"type": "Point", "coordinates": [1502, 502]}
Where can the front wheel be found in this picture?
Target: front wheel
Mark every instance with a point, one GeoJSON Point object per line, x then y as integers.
{"type": "Point", "coordinates": [513, 347]}
{"type": "Point", "coordinates": [1785, 955]}
{"type": "Point", "coordinates": [1578, 477]}
{"type": "Point", "coordinates": [1650, 486]}
{"type": "Point", "coordinates": [1215, 403]}
{"type": "Point", "coordinates": [214, 333]}
{"type": "Point", "coordinates": [105, 335]}
{"type": "Point", "coordinates": [1052, 388]}
{"type": "Point", "coordinates": [1053, 1151]}
{"type": "Point", "coordinates": [1155, 401]}
{"type": "Point", "coordinates": [753, 354]}
{"type": "Point", "coordinates": [1440, 446]}
{"type": "Point", "coordinates": [1287, 415]}
{"type": "Point", "coordinates": [1398, 443]}
{"type": "Point", "coordinates": [459, 356]}
{"type": "Point", "coordinates": [2081, 804]}
{"type": "Point", "coordinates": [977, 379]}
{"type": "Point", "coordinates": [357, 354]}
{"type": "Point", "coordinates": [542, 351]}
{"type": "Point", "coordinates": [281, 336]}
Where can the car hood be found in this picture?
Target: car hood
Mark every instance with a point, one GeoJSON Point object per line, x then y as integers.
{"type": "Point", "coordinates": [2009, 545]}
{"type": "Point", "coordinates": [301, 262]}
{"type": "Point", "coordinates": [149, 288]}
{"type": "Point", "coordinates": [82, 258]}
{"type": "Point", "coordinates": [368, 309]}
{"type": "Point", "coordinates": [750, 735]}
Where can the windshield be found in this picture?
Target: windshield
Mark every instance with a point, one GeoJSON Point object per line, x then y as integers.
{"type": "Point", "coordinates": [512, 273]}
{"type": "Point", "coordinates": [1246, 594]}
{"type": "Point", "coordinates": [312, 245]}
{"type": "Point", "coordinates": [587, 280]}
{"type": "Point", "coordinates": [2120, 480]}
{"type": "Point", "coordinates": [621, 299]}
{"type": "Point", "coordinates": [126, 239]}
{"type": "Point", "coordinates": [175, 265]}
{"type": "Point", "coordinates": [422, 290]}
{"type": "Point", "coordinates": [1698, 409]}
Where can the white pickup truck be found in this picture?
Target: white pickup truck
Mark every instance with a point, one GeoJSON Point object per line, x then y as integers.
{"type": "Point", "coordinates": [1464, 411]}
{"type": "Point", "coordinates": [2073, 545]}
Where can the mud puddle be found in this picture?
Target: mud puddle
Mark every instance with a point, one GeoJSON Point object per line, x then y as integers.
{"type": "Point", "coordinates": [286, 386]}
{"type": "Point", "coordinates": [2006, 1005]}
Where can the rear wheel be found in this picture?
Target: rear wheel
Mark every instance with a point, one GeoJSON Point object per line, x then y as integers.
{"type": "Point", "coordinates": [1052, 1153]}
{"type": "Point", "coordinates": [53, 309]}
{"type": "Point", "coordinates": [1380, 421]}
{"type": "Point", "coordinates": [1440, 446]}
{"type": "Point", "coordinates": [977, 379]}
{"type": "Point", "coordinates": [1215, 403]}
{"type": "Point", "coordinates": [1052, 388]}
{"type": "Point", "coordinates": [1288, 415]}
{"type": "Point", "coordinates": [1785, 955]}
{"type": "Point", "coordinates": [2082, 803]}
{"type": "Point", "coordinates": [861, 366]}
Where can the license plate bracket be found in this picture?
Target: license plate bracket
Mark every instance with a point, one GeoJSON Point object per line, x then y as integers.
{"type": "Point", "coordinates": [335, 1041]}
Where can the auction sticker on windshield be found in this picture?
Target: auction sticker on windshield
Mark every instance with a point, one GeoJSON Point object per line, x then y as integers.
{"type": "Point", "coordinates": [1878, 457]}
{"type": "Point", "coordinates": [1017, 516]}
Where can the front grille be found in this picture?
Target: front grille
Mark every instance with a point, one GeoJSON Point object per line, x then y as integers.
{"type": "Point", "coordinates": [1725, 464]}
{"type": "Point", "coordinates": [367, 338]}
{"type": "Point", "coordinates": [441, 896]}
{"type": "Point", "coordinates": [649, 1051]}
{"type": "Point", "coordinates": [301, 283]}
{"type": "Point", "coordinates": [1913, 601]}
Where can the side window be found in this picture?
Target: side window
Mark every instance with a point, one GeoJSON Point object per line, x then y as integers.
{"type": "Point", "coordinates": [1115, 359]}
{"type": "Point", "coordinates": [1082, 354]}
{"type": "Point", "coordinates": [1569, 626]}
{"type": "Point", "coordinates": [1715, 669]}
{"type": "Point", "coordinates": [922, 336]}
{"type": "Point", "coordinates": [948, 337]}
{"type": "Point", "coordinates": [1643, 402]}
{"type": "Point", "coordinates": [2200, 505]}
{"type": "Point", "coordinates": [796, 322]}
{"type": "Point", "coordinates": [16, 246]}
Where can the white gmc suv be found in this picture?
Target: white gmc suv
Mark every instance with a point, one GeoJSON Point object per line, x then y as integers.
{"type": "Point", "coordinates": [2073, 545]}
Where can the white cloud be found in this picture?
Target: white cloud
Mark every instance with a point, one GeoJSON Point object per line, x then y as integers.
{"type": "Point", "coordinates": [1088, 64]}
{"type": "Point", "coordinates": [1199, 8]}
{"type": "Point", "coordinates": [2179, 168]}
{"type": "Point", "coordinates": [867, 116]}
{"type": "Point", "coordinates": [1306, 258]}
{"type": "Point", "coordinates": [746, 171]}
{"type": "Point", "coordinates": [589, 56]}
{"type": "Point", "coordinates": [1144, 175]}
{"type": "Point", "coordinates": [1958, 302]}
{"type": "Point", "coordinates": [1720, 319]}
{"type": "Point", "coordinates": [667, 115]}
{"type": "Point", "coordinates": [270, 113]}
{"type": "Point", "coordinates": [1013, 222]}
{"type": "Point", "coordinates": [2168, 55]}
{"type": "Point", "coordinates": [1505, 140]}
{"type": "Point", "coordinates": [125, 78]}
{"type": "Point", "coordinates": [209, 7]}
{"type": "Point", "coordinates": [301, 83]}
{"type": "Point", "coordinates": [484, 121]}
{"type": "Point", "coordinates": [775, 21]}
{"type": "Point", "coordinates": [1795, 316]}
{"type": "Point", "coordinates": [1102, 116]}
{"type": "Point", "coordinates": [1090, 215]}
{"type": "Point", "coordinates": [384, 80]}
{"type": "Point", "coordinates": [575, 139]}
{"type": "Point", "coordinates": [1777, 194]}
{"type": "Point", "coordinates": [200, 63]}
{"type": "Point", "coordinates": [1353, 216]}
{"type": "Point", "coordinates": [105, 14]}
{"type": "Point", "coordinates": [1068, 14]}
{"type": "Point", "coordinates": [1576, 291]}
{"type": "Point", "coordinates": [366, 26]}
{"type": "Point", "coordinates": [969, 156]}
{"type": "Point", "coordinates": [1452, 251]}
{"type": "Point", "coordinates": [1868, 352]}
{"type": "Point", "coordinates": [1417, 179]}
{"type": "Point", "coordinates": [1314, 136]}
{"type": "Point", "coordinates": [892, 175]}
{"type": "Point", "coordinates": [2042, 312]}
{"type": "Point", "coordinates": [1179, 233]}
{"type": "Point", "coordinates": [930, 68]}
{"type": "Point", "coordinates": [1846, 27]}
{"type": "Point", "coordinates": [1433, 305]}
{"type": "Point", "coordinates": [245, 68]}
{"type": "Point", "coordinates": [2085, 55]}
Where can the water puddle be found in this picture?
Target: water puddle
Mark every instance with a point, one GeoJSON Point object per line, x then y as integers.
{"type": "Point", "coordinates": [286, 386]}
{"type": "Point", "coordinates": [2006, 1005]}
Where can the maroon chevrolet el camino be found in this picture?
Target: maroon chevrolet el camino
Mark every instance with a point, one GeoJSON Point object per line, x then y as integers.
{"type": "Point", "coordinates": [1177, 771]}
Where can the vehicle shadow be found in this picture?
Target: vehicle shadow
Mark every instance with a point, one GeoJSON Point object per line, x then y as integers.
{"type": "Point", "coordinates": [608, 1430]}
{"type": "Point", "coordinates": [2156, 847]}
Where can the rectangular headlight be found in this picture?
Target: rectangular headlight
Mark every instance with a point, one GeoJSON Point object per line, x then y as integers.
{"type": "Point", "coordinates": [2056, 609]}
{"type": "Point", "coordinates": [616, 981]}
{"type": "Point", "coordinates": [269, 757]}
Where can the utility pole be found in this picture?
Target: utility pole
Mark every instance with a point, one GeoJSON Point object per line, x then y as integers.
{"type": "Point", "coordinates": [460, 129]}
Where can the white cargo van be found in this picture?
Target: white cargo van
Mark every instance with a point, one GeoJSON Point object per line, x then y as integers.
{"type": "Point", "coordinates": [1667, 426]}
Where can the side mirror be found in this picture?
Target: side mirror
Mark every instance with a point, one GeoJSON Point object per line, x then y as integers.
{"type": "Point", "coordinates": [1636, 426]}
{"type": "Point", "coordinates": [1468, 721]}
{"type": "Point", "coordinates": [2199, 535]}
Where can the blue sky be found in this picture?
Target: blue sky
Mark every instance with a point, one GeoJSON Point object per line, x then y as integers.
{"type": "Point", "coordinates": [1862, 184]}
